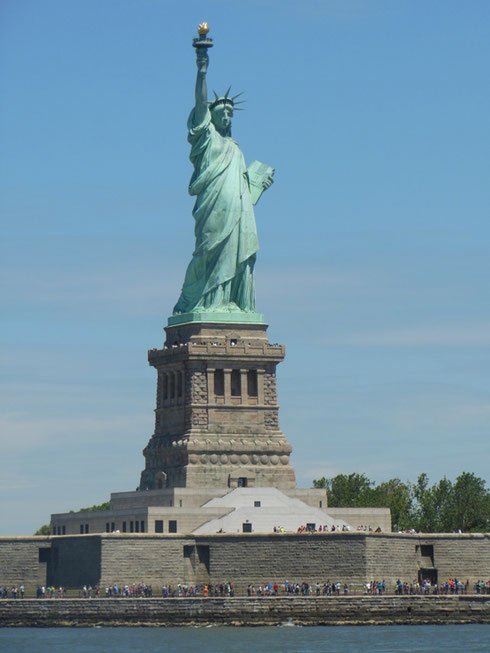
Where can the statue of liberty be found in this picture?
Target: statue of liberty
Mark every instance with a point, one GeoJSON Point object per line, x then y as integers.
{"type": "Point", "coordinates": [220, 276]}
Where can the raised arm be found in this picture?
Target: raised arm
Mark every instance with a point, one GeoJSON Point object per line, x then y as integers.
{"type": "Point", "coordinates": [201, 86]}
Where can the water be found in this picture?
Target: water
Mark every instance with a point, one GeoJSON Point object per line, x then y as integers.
{"type": "Point", "coordinates": [332, 639]}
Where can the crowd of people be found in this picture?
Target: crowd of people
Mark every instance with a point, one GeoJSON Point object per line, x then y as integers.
{"type": "Point", "coordinates": [265, 589]}
{"type": "Point", "coordinates": [297, 589]}
{"type": "Point", "coordinates": [49, 592]}
{"type": "Point", "coordinates": [115, 591]}
{"type": "Point", "coordinates": [183, 590]}
{"type": "Point", "coordinates": [325, 528]}
{"type": "Point", "coordinates": [15, 592]}
{"type": "Point", "coordinates": [425, 587]}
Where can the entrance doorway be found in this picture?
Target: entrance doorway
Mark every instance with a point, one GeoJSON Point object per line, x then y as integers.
{"type": "Point", "coordinates": [429, 574]}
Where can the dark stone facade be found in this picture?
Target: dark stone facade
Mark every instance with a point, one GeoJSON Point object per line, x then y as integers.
{"type": "Point", "coordinates": [217, 414]}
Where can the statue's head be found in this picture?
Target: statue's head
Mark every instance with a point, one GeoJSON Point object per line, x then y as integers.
{"type": "Point", "coordinates": [222, 109]}
{"type": "Point", "coordinates": [221, 116]}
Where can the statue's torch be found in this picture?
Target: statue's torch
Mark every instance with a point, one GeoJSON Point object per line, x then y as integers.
{"type": "Point", "coordinates": [202, 43]}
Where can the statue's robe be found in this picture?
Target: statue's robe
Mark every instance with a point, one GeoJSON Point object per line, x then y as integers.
{"type": "Point", "coordinates": [220, 274]}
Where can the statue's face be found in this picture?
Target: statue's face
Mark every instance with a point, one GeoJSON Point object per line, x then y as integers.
{"type": "Point", "coordinates": [221, 116]}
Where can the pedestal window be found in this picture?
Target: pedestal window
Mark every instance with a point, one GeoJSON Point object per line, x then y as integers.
{"type": "Point", "coordinates": [236, 383]}
{"type": "Point", "coordinates": [219, 383]}
{"type": "Point", "coordinates": [252, 385]}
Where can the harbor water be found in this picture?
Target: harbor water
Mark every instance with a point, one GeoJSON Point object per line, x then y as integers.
{"type": "Point", "coordinates": [284, 638]}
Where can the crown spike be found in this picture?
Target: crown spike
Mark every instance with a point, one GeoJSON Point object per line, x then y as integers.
{"type": "Point", "coordinates": [225, 99]}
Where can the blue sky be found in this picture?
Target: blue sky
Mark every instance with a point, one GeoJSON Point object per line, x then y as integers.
{"type": "Point", "coordinates": [374, 264]}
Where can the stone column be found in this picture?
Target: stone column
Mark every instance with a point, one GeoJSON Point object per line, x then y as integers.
{"type": "Point", "coordinates": [243, 384]}
{"type": "Point", "coordinates": [227, 373]}
{"type": "Point", "coordinates": [260, 386]}
{"type": "Point", "coordinates": [211, 394]}
{"type": "Point", "coordinates": [172, 390]}
{"type": "Point", "coordinates": [159, 389]}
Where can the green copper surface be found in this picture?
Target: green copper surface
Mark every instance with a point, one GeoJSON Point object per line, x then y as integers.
{"type": "Point", "coordinates": [239, 317]}
{"type": "Point", "coordinates": [220, 277]}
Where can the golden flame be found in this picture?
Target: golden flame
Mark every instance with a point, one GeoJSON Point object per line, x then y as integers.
{"type": "Point", "coordinates": [202, 29]}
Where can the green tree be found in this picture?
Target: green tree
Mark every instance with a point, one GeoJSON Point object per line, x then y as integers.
{"type": "Point", "coordinates": [101, 506]}
{"type": "Point", "coordinates": [345, 491]}
{"type": "Point", "coordinates": [424, 513]}
{"type": "Point", "coordinates": [45, 530]}
{"type": "Point", "coordinates": [439, 508]}
{"type": "Point", "coordinates": [446, 506]}
{"type": "Point", "coordinates": [471, 504]}
{"type": "Point", "coordinates": [434, 505]}
{"type": "Point", "coordinates": [398, 497]}
{"type": "Point", "coordinates": [358, 491]}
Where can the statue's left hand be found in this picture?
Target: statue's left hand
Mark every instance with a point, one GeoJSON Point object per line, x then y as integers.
{"type": "Point", "coordinates": [267, 183]}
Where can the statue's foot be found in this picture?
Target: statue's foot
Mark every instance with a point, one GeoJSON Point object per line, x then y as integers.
{"type": "Point", "coordinates": [233, 308]}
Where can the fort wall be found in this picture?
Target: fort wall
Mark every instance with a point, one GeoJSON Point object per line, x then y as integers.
{"type": "Point", "coordinates": [24, 559]}
{"type": "Point", "coordinates": [352, 558]}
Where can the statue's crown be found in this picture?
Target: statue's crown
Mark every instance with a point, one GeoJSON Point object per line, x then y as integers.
{"type": "Point", "coordinates": [224, 99]}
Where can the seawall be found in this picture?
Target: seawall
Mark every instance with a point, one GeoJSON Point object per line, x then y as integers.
{"type": "Point", "coordinates": [313, 611]}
